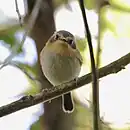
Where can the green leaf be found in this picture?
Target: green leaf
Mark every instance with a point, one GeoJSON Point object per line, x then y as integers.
{"type": "Point", "coordinates": [121, 4]}
{"type": "Point", "coordinates": [105, 22]}
{"type": "Point", "coordinates": [37, 125]}
{"type": "Point", "coordinates": [9, 38]}
{"type": "Point", "coordinates": [81, 44]}
{"type": "Point", "coordinates": [89, 4]}
{"type": "Point", "coordinates": [31, 71]}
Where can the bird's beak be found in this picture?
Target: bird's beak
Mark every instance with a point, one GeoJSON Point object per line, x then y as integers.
{"type": "Point", "coordinates": [63, 39]}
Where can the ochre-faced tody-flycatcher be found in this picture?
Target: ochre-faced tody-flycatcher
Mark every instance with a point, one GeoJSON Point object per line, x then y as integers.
{"type": "Point", "coordinates": [61, 62]}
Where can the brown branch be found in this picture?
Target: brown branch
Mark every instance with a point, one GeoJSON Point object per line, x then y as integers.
{"type": "Point", "coordinates": [43, 28]}
{"type": "Point", "coordinates": [49, 94]}
{"type": "Point", "coordinates": [18, 12]}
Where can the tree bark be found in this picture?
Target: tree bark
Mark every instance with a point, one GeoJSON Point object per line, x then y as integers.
{"type": "Point", "coordinates": [54, 118]}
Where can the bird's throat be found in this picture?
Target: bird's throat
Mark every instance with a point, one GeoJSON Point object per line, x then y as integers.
{"type": "Point", "coordinates": [60, 48]}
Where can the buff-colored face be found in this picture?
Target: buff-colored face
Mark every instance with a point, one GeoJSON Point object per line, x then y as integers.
{"type": "Point", "coordinates": [61, 62]}
{"type": "Point", "coordinates": [63, 36]}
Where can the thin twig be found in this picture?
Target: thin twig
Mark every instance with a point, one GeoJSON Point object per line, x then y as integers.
{"type": "Point", "coordinates": [98, 56]}
{"type": "Point", "coordinates": [28, 28]}
{"type": "Point", "coordinates": [96, 121]}
{"type": "Point", "coordinates": [19, 15]}
{"type": "Point", "coordinates": [55, 92]}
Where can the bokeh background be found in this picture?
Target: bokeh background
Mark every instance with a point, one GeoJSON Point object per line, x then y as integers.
{"type": "Point", "coordinates": [114, 20]}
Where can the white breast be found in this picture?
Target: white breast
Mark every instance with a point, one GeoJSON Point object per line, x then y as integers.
{"type": "Point", "coordinates": [59, 69]}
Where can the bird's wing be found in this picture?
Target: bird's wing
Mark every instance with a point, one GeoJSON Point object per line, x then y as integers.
{"type": "Point", "coordinates": [79, 57]}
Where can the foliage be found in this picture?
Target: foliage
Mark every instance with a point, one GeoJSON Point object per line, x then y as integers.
{"type": "Point", "coordinates": [115, 17]}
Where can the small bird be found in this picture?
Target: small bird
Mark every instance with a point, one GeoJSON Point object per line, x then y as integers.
{"type": "Point", "coordinates": [61, 62]}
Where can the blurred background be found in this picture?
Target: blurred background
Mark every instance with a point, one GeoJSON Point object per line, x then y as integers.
{"type": "Point", "coordinates": [110, 18]}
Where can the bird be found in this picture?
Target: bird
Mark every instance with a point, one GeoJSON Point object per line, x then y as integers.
{"type": "Point", "coordinates": [61, 62]}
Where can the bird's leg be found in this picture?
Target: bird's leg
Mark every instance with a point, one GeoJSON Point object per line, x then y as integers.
{"type": "Point", "coordinates": [76, 79]}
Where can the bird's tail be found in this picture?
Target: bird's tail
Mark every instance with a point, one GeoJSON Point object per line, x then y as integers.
{"type": "Point", "coordinates": [67, 103]}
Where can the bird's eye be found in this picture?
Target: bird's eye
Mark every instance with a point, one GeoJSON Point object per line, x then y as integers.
{"type": "Point", "coordinates": [56, 37]}
{"type": "Point", "coordinates": [72, 43]}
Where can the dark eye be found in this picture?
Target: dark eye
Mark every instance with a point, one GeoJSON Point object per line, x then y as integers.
{"type": "Point", "coordinates": [72, 43]}
{"type": "Point", "coordinates": [56, 37]}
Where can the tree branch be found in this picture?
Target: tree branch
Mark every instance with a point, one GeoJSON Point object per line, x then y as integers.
{"type": "Point", "coordinates": [95, 83]}
{"type": "Point", "coordinates": [28, 29]}
{"type": "Point", "coordinates": [18, 12]}
{"type": "Point", "coordinates": [49, 94]}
